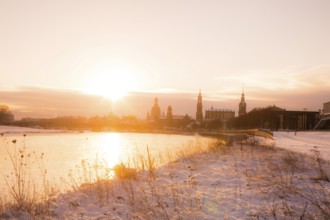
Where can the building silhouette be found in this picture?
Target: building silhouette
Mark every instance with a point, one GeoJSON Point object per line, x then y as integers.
{"type": "Point", "coordinates": [169, 115]}
{"type": "Point", "coordinates": [275, 118]}
{"type": "Point", "coordinates": [242, 106]}
{"type": "Point", "coordinates": [213, 117]}
{"type": "Point", "coordinates": [324, 122]}
{"type": "Point", "coordinates": [271, 117]}
{"type": "Point", "coordinates": [199, 111]}
{"type": "Point", "coordinates": [155, 110]}
{"type": "Point", "coordinates": [326, 108]}
{"type": "Point", "coordinates": [219, 114]}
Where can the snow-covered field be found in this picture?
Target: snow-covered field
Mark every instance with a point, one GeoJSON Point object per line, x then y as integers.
{"type": "Point", "coordinates": [304, 141]}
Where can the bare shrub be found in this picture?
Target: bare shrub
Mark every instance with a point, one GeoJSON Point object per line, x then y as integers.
{"type": "Point", "coordinates": [150, 164]}
{"type": "Point", "coordinates": [124, 172]}
{"type": "Point", "coordinates": [298, 195]}
{"type": "Point", "coordinates": [24, 193]}
{"type": "Point", "coordinates": [316, 155]}
{"type": "Point", "coordinates": [19, 181]}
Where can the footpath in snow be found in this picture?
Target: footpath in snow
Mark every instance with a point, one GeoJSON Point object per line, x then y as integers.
{"type": "Point", "coordinates": [304, 141]}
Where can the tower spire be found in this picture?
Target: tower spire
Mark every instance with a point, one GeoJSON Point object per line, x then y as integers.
{"type": "Point", "coordinates": [199, 111]}
{"type": "Point", "coordinates": [242, 104]}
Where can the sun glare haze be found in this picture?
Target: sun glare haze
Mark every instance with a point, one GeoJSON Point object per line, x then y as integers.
{"type": "Point", "coordinates": [279, 50]}
{"type": "Point", "coordinates": [110, 81]}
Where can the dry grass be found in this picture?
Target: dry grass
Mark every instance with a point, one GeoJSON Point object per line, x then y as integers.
{"type": "Point", "coordinates": [295, 189]}
{"type": "Point", "coordinates": [298, 184]}
{"type": "Point", "coordinates": [24, 194]}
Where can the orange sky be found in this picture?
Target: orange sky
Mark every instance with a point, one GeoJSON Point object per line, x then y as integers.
{"type": "Point", "coordinates": [56, 56]}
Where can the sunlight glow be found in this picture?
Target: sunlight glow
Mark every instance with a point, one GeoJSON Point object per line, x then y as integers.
{"type": "Point", "coordinates": [110, 145]}
{"type": "Point", "coordinates": [112, 82]}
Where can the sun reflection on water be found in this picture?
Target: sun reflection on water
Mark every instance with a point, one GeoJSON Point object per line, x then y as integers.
{"type": "Point", "coordinates": [110, 148]}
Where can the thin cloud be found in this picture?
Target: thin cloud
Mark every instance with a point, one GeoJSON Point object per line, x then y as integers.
{"type": "Point", "coordinates": [45, 102]}
{"type": "Point", "coordinates": [40, 102]}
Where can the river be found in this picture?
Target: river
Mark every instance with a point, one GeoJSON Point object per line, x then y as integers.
{"type": "Point", "coordinates": [63, 152]}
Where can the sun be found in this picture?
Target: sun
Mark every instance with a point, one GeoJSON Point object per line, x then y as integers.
{"type": "Point", "coordinates": [111, 82]}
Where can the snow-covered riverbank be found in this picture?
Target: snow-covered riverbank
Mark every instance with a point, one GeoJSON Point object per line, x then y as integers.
{"type": "Point", "coordinates": [25, 130]}
{"type": "Point", "coordinates": [248, 181]}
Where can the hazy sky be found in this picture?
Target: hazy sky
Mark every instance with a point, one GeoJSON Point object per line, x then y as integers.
{"type": "Point", "coordinates": [279, 50]}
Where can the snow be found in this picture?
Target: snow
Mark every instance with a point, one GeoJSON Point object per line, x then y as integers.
{"type": "Point", "coordinates": [304, 141]}
{"type": "Point", "coordinates": [240, 182]}
{"type": "Point", "coordinates": [24, 130]}
{"type": "Point", "coordinates": [250, 180]}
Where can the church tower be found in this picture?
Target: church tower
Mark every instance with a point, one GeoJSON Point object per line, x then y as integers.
{"type": "Point", "coordinates": [199, 112]}
{"type": "Point", "coordinates": [169, 115]}
{"type": "Point", "coordinates": [155, 110]}
{"type": "Point", "coordinates": [242, 106]}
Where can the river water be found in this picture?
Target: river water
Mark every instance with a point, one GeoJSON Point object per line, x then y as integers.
{"type": "Point", "coordinates": [63, 152]}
